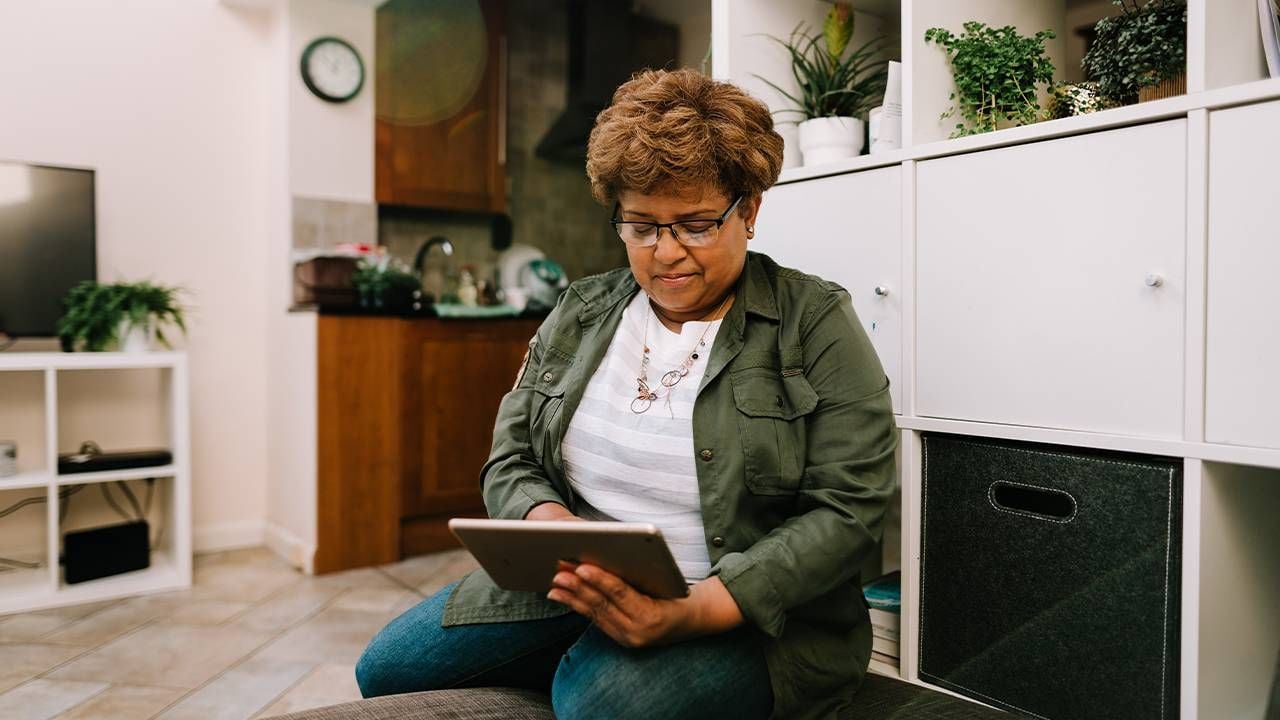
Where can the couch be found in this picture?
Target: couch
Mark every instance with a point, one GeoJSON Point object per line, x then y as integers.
{"type": "Point", "coordinates": [880, 698]}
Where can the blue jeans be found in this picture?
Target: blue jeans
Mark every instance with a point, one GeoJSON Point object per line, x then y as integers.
{"type": "Point", "coordinates": [586, 672]}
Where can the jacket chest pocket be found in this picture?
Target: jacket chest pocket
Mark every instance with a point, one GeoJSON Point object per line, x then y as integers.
{"type": "Point", "coordinates": [772, 408]}
{"type": "Point", "coordinates": [545, 412]}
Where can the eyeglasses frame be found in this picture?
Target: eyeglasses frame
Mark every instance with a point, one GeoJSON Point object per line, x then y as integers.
{"type": "Point", "coordinates": [671, 226]}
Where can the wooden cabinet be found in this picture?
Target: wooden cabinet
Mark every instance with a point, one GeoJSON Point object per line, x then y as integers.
{"type": "Point", "coordinates": [1242, 389]}
{"type": "Point", "coordinates": [441, 105]}
{"type": "Point", "coordinates": [1050, 278]}
{"type": "Point", "coordinates": [405, 421]}
{"type": "Point", "coordinates": [847, 229]}
{"type": "Point", "coordinates": [458, 373]}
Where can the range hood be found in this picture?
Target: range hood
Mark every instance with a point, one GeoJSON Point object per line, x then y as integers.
{"type": "Point", "coordinates": [606, 44]}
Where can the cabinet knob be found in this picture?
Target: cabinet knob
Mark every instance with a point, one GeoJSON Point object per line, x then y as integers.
{"type": "Point", "coordinates": [1154, 280]}
{"type": "Point", "coordinates": [881, 290]}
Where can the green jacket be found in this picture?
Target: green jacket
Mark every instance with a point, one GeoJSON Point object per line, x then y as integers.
{"type": "Point", "coordinates": [795, 456]}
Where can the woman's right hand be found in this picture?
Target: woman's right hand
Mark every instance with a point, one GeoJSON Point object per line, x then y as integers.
{"type": "Point", "coordinates": [550, 511]}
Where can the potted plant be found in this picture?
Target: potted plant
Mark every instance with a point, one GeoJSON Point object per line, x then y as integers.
{"type": "Point", "coordinates": [131, 317]}
{"type": "Point", "coordinates": [385, 283]}
{"type": "Point", "coordinates": [1140, 54]}
{"type": "Point", "coordinates": [835, 89]}
{"type": "Point", "coordinates": [996, 72]}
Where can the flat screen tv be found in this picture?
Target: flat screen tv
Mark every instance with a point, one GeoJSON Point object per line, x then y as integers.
{"type": "Point", "coordinates": [46, 243]}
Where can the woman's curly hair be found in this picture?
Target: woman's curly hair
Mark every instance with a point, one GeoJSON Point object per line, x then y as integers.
{"type": "Point", "coordinates": [675, 131]}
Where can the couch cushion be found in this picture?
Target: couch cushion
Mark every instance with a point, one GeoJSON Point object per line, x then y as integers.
{"type": "Point", "coordinates": [476, 704]}
{"type": "Point", "coordinates": [880, 697]}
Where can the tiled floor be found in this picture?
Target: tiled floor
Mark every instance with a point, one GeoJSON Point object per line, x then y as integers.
{"type": "Point", "coordinates": [253, 638]}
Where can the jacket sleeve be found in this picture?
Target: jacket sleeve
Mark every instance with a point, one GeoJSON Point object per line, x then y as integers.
{"type": "Point", "coordinates": [848, 477]}
{"type": "Point", "coordinates": [513, 480]}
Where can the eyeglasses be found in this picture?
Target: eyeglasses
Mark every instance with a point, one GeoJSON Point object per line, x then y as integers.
{"type": "Point", "coordinates": [693, 233]}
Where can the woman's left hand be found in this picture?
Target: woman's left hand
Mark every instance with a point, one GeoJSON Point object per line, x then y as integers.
{"type": "Point", "coordinates": [634, 619]}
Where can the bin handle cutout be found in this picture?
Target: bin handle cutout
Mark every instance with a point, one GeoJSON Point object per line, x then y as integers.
{"type": "Point", "coordinates": [1035, 502]}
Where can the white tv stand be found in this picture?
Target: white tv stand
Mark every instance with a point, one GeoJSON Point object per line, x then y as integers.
{"type": "Point", "coordinates": [44, 586]}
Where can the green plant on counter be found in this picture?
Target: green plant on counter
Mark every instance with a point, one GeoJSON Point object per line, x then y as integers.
{"type": "Point", "coordinates": [97, 313]}
{"type": "Point", "coordinates": [996, 72]}
{"type": "Point", "coordinates": [383, 281]}
{"type": "Point", "coordinates": [830, 83]}
{"type": "Point", "coordinates": [1143, 46]}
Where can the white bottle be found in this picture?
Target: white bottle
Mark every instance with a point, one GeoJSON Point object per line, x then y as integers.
{"type": "Point", "coordinates": [467, 291]}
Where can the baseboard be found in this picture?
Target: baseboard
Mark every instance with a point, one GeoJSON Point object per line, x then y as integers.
{"type": "Point", "coordinates": [292, 548]}
{"type": "Point", "coordinates": [228, 536]}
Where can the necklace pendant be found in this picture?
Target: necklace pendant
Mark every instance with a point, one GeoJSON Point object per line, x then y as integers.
{"type": "Point", "coordinates": [641, 404]}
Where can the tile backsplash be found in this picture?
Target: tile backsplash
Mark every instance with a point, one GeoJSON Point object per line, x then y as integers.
{"type": "Point", "coordinates": [320, 224]}
{"type": "Point", "coordinates": [550, 204]}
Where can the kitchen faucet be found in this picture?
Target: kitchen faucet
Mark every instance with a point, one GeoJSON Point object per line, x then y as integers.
{"type": "Point", "coordinates": [421, 257]}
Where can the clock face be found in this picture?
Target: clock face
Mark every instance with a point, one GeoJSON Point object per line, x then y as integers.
{"type": "Point", "coordinates": [332, 69]}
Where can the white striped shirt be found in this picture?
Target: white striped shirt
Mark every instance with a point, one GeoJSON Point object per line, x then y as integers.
{"type": "Point", "coordinates": [640, 467]}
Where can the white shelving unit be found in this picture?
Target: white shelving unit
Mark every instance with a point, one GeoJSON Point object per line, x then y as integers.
{"type": "Point", "coordinates": [1015, 259]}
{"type": "Point", "coordinates": [32, 381]}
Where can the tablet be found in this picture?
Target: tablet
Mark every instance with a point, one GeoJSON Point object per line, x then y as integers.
{"type": "Point", "coordinates": [523, 554]}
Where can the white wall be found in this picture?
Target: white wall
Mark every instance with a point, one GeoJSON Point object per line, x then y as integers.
{"type": "Point", "coordinates": [168, 101]}
{"type": "Point", "coordinates": [319, 150]}
{"type": "Point", "coordinates": [201, 131]}
{"type": "Point", "coordinates": [331, 146]}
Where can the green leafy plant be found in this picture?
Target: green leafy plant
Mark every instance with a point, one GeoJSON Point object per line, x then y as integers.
{"type": "Point", "coordinates": [96, 313]}
{"type": "Point", "coordinates": [831, 83]}
{"type": "Point", "coordinates": [996, 72]}
{"type": "Point", "coordinates": [382, 281]}
{"type": "Point", "coordinates": [1143, 46]}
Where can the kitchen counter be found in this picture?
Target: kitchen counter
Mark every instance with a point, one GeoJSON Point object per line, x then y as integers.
{"type": "Point", "coordinates": [425, 312]}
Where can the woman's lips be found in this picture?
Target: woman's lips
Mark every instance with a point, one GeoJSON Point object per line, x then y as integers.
{"type": "Point", "coordinates": [675, 280]}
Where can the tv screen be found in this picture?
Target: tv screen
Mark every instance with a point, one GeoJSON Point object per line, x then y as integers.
{"type": "Point", "coordinates": [46, 244]}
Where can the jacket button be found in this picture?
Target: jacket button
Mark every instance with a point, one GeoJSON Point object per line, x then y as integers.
{"type": "Point", "coordinates": [707, 454]}
{"type": "Point", "coordinates": [548, 377]}
{"type": "Point", "coordinates": [717, 541]}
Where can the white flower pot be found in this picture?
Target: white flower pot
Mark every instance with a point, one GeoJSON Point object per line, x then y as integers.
{"type": "Point", "coordinates": [137, 338]}
{"type": "Point", "coordinates": [828, 139]}
{"type": "Point", "coordinates": [790, 133]}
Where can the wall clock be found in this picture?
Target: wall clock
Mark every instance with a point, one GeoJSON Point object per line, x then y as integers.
{"type": "Point", "coordinates": [332, 69]}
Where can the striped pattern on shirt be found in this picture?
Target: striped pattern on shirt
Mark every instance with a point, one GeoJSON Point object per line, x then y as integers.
{"type": "Point", "coordinates": [640, 467]}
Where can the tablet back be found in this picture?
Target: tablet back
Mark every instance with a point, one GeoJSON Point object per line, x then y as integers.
{"type": "Point", "coordinates": [523, 554]}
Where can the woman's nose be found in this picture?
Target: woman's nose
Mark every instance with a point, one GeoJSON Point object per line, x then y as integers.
{"type": "Point", "coordinates": [668, 251]}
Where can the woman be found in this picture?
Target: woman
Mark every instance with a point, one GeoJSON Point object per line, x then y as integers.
{"type": "Point", "coordinates": [735, 404]}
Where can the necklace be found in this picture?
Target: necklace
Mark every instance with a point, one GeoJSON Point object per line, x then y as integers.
{"type": "Point", "coordinates": [646, 395]}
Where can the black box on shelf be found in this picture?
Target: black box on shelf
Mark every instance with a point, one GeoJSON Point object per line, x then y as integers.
{"type": "Point", "coordinates": [1049, 578]}
{"type": "Point", "coordinates": [104, 551]}
{"type": "Point", "coordinates": [71, 463]}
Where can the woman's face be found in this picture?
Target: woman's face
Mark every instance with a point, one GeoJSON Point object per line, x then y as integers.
{"type": "Point", "coordinates": [688, 283]}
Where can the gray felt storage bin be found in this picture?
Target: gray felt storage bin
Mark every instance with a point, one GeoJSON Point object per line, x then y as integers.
{"type": "Point", "coordinates": [1049, 578]}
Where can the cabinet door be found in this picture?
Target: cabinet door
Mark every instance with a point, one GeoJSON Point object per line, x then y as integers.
{"type": "Point", "coordinates": [847, 229]}
{"type": "Point", "coordinates": [440, 133]}
{"type": "Point", "coordinates": [1051, 283]}
{"type": "Point", "coordinates": [464, 368]}
{"type": "Point", "coordinates": [1242, 389]}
